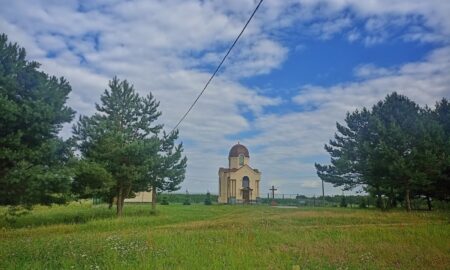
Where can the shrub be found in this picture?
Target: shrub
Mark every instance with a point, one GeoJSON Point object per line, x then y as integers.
{"type": "Point", "coordinates": [164, 201]}
{"type": "Point", "coordinates": [362, 203]}
{"type": "Point", "coordinates": [187, 202]}
{"type": "Point", "coordinates": [208, 199]}
{"type": "Point", "coordinates": [343, 202]}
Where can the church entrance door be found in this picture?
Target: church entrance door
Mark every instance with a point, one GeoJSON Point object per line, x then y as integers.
{"type": "Point", "coordinates": [246, 195]}
{"type": "Point", "coordinates": [246, 189]}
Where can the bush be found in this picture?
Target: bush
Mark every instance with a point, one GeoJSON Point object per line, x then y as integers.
{"type": "Point", "coordinates": [14, 212]}
{"type": "Point", "coordinates": [187, 202]}
{"type": "Point", "coordinates": [343, 202]}
{"type": "Point", "coordinates": [208, 199]}
{"type": "Point", "coordinates": [164, 201]}
{"type": "Point", "coordinates": [362, 203]}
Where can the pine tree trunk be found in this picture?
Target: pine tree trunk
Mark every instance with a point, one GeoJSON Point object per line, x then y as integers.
{"type": "Point", "coordinates": [408, 199]}
{"type": "Point", "coordinates": [153, 198]}
{"type": "Point", "coordinates": [391, 198]}
{"type": "Point", "coordinates": [110, 202]}
{"type": "Point", "coordinates": [379, 203]}
{"type": "Point", "coordinates": [119, 201]}
{"type": "Point", "coordinates": [429, 203]}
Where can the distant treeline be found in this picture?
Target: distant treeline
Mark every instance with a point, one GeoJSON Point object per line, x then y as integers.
{"type": "Point", "coordinates": [182, 198]}
{"type": "Point", "coordinates": [353, 201]}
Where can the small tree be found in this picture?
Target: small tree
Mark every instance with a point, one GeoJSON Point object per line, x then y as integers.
{"type": "Point", "coordinates": [208, 199]}
{"type": "Point", "coordinates": [121, 137]}
{"type": "Point", "coordinates": [343, 202]}
{"type": "Point", "coordinates": [164, 201]}
{"type": "Point", "coordinates": [362, 203]}
{"type": "Point", "coordinates": [187, 200]}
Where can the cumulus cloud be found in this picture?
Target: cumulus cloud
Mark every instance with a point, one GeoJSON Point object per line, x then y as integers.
{"type": "Point", "coordinates": [370, 70]}
{"type": "Point", "coordinates": [292, 142]}
{"type": "Point", "coordinates": [315, 184]}
{"type": "Point", "coordinates": [170, 48]}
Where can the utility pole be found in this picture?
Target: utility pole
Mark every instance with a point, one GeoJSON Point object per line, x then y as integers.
{"type": "Point", "coordinates": [323, 194]}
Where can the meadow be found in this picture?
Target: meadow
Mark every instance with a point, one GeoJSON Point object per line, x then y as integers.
{"type": "Point", "coordinates": [85, 236]}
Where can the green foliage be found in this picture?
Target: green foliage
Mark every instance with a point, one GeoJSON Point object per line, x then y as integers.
{"type": "Point", "coordinates": [164, 201]}
{"type": "Point", "coordinates": [32, 111]}
{"type": "Point", "coordinates": [363, 203]}
{"type": "Point", "coordinates": [166, 169]}
{"type": "Point", "coordinates": [343, 202]}
{"type": "Point", "coordinates": [12, 213]}
{"type": "Point", "coordinates": [124, 148]}
{"type": "Point", "coordinates": [397, 150]}
{"type": "Point", "coordinates": [118, 138]}
{"type": "Point", "coordinates": [91, 180]}
{"type": "Point", "coordinates": [208, 199]}
{"type": "Point", "coordinates": [187, 201]}
{"type": "Point", "coordinates": [180, 198]}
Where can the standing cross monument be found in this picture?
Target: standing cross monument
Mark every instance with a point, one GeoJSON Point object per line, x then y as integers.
{"type": "Point", "coordinates": [273, 189]}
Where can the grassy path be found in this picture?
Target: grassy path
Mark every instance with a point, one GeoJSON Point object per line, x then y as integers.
{"type": "Point", "coordinates": [225, 237]}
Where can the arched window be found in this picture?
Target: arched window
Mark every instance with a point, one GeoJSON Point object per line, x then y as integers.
{"type": "Point", "coordinates": [241, 160]}
{"type": "Point", "coordinates": [245, 182]}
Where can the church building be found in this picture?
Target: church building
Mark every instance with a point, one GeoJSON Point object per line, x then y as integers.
{"type": "Point", "coordinates": [239, 183]}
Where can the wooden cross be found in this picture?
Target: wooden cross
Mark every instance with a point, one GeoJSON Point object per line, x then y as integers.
{"type": "Point", "coordinates": [273, 191]}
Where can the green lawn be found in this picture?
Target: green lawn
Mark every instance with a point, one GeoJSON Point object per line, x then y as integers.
{"type": "Point", "coordinates": [224, 237]}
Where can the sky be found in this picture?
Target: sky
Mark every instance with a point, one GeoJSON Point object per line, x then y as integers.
{"type": "Point", "coordinates": [296, 71]}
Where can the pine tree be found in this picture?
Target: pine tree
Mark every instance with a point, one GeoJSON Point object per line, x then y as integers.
{"type": "Point", "coordinates": [343, 202]}
{"type": "Point", "coordinates": [208, 198]}
{"type": "Point", "coordinates": [187, 201]}
{"type": "Point", "coordinates": [441, 185]}
{"type": "Point", "coordinates": [165, 171]}
{"type": "Point", "coordinates": [32, 112]}
{"type": "Point", "coordinates": [121, 137]}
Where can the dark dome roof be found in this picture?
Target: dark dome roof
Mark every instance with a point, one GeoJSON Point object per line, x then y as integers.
{"type": "Point", "coordinates": [238, 149]}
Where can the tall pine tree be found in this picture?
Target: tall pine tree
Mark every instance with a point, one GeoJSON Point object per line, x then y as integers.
{"type": "Point", "coordinates": [124, 139]}
{"type": "Point", "coordinates": [32, 111]}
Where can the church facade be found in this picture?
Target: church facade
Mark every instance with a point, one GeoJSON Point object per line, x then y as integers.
{"type": "Point", "coordinates": [239, 183]}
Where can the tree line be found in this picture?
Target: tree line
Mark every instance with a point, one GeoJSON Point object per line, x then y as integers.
{"type": "Point", "coordinates": [120, 150]}
{"type": "Point", "coordinates": [396, 151]}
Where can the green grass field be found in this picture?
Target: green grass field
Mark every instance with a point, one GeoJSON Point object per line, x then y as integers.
{"type": "Point", "coordinates": [224, 237]}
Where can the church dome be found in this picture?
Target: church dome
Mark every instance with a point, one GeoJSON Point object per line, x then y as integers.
{"type": "Point", "coordinates": [238, 149]}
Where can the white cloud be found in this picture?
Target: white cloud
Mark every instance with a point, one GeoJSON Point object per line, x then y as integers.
{"type": "Point", "coordinates": [311, 184]}
{"type": "Point", "coordinates": [327, 29]}
{"type": "Point", "coordinates": [353, 35]}
{"type": "Point", "coordinates": [370, 71]}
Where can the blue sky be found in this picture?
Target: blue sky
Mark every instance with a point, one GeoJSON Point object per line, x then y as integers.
{"type": "Point", "coordinates": [299, 67]}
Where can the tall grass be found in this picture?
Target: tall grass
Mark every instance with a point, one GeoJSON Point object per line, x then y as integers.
{"type": "Point", "coordinates": [225, 237]}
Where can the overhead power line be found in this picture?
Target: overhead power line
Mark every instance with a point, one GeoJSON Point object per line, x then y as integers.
{"type": "Point", "coordinates": [218, 67]}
